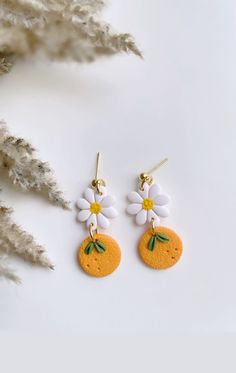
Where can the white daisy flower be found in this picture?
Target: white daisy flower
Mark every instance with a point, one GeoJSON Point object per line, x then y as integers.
{"type": "Point", "coordinates": [149, 204]}
{"type": "Point", "coordinates": [96, 209]}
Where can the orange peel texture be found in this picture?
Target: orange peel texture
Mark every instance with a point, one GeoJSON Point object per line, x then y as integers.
{"type": "Point", "coordinates": [100, 264]}
{"type": "Point", "coordinates": [165, 253]}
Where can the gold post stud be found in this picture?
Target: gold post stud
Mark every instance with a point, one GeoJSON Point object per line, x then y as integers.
{"type": "Point", "coordinates": [146, 177]}
{"type": "Point", "coordinates": [97, 183]}
{"type": "Point", "coordinates": [155, 168]}
{"type": "Point", "coordinates": [97, 165]}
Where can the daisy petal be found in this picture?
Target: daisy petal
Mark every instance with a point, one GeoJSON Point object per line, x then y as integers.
{"type": "Point", "coordinates": [141, 217]}
{"type": "Point", "coordinates": [92, 220]}
{"type": "Point", "coordinates": [162, 199]}
{"type": "Point", "coordinates": [110, 212]}
{"type": "Point", "coordinates": [161, 211]}
{"type": "Point", "coordinates": [134, 208]}
{"type": "Point", "coordinates": [135, 197]}
{"type": "Point", "coordinates": [83, 204]}
{"type": "Point", "coordinates": [153, 215]}
{"type": "Point", "coordinates": [89, 195]}
{"type": "Point", "coordinates": [144, 193]}
{"type": "Point", "coordinates": [103, 222]}
{"type": "Point", "coordinates": [154, 190]}
{"type": "Point", "coordinates": [99, 197]}
{"type": "Point", "coordinates": [108, 201]}
{"type": "Point", "coordinates": [83, 215]}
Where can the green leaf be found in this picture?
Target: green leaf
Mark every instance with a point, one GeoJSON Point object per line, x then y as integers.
{"type": "Point", "coordinates": [100, 247]}
{"type": "Point", "coordinates": [101, 244]}
{"type": "Point", "coordinates": [89, 248]}
{"type": "Point", "coordinates": [152, 243]}
{"type": "Point", "coordinates": [162, 237]}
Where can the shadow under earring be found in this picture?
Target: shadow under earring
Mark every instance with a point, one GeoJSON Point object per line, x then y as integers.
{"type": "Point", "coordinates": [99, 255]}
{"type": "Point", "coordinates": [159, 247]}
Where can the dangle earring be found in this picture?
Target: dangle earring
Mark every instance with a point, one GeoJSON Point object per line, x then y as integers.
{"type": "Point", "coordinates": [99, 255]}
{"type": "Point", "coordinates": [159, 247]}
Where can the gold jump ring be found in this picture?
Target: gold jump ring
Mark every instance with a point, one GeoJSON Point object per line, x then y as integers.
{"type": "Point", "coordinates": [91, 233]}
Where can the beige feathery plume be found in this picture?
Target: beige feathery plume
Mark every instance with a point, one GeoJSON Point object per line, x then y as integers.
{"type": "Point", "coordinates": [25, 171]}
{"type": "Point", "coordinates": [5, 65]}
{"type": "Point", "coordinates": [60, 29]}
{"type": "Point", "coordinates": [6, 271]}
{"type": "Point", "coordinates": [17, 160]}
{"type": "Point", "coordinates": [13, 240]}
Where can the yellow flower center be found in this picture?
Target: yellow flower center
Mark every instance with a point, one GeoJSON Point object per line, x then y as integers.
{"type": "Point", "coordinates": [95, 208]}
{"type": "Point", "coordinates": [148, 204]}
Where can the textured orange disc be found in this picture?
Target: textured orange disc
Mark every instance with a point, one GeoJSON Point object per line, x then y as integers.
{"type": "Point", "coordinates": [99, 263]}
{"type": "Point", "coordinates": [161, 252]}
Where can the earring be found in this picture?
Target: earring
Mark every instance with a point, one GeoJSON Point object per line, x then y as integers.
{"type": "Point", "coordinates": [159, 247]}
{"type": "Point", "coordinates": [99, 255]}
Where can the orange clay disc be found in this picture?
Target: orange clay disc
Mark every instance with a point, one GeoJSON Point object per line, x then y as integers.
{"type": "Point", "coordinates": [100, 258]}
{"type": "Point", "coordinates": [161, 250]}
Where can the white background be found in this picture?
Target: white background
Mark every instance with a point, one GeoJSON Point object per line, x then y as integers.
{"type": "Point", "coordinates": [179, 102]}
